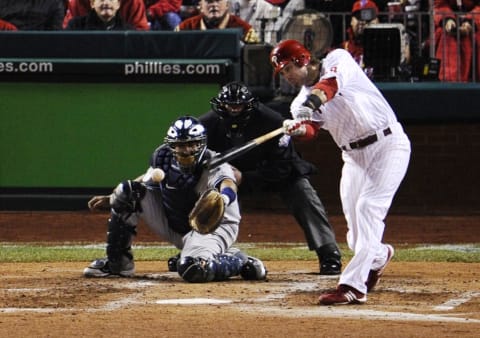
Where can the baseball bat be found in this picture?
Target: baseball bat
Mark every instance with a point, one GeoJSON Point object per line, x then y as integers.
{"type": "Point", "coordinates": [235, 152]}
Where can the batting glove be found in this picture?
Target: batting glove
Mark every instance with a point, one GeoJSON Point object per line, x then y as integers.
{"type": "Point", "coordinates": [303, 113]}
{"type": "Point", "coordinates": [294, 128]}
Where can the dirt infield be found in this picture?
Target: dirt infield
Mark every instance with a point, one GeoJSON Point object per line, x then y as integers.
{"type": "Point", "coordinates": [412, 300]}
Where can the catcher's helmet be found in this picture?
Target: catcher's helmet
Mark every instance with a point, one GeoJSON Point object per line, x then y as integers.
{"type": "Point", "coordinates": [234, 100]}
{"type": "Point", "coordinates": [187, 138]}
{"type": "Point", "coordinates": [289, 51]}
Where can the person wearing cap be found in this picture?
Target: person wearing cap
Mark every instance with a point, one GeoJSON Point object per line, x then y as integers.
{"type": "Point", "coordinates": [364, 12]}
{"type": "Point", "coordinates": [336, 95]}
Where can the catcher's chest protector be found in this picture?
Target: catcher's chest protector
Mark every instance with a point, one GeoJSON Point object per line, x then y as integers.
{"type": "Point", "coordinates": [178, 191]}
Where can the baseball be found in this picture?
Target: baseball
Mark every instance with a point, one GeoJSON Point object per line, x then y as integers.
{"type": "Point", "coordinates": [158, 175]}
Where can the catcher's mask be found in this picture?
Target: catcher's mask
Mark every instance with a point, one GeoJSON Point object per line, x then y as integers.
{"type": "Point", "coordinates": [234, 103]}
{"type": "Point", "coordinates": [187, 138]}
{"type": "Point", "coordinates": [289, 51]}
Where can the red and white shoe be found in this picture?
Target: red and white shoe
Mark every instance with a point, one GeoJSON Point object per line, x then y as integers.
{"type": "Point", "coordinates": [374, 275]}
{"type": "Point", "coordinates": [344, 294]}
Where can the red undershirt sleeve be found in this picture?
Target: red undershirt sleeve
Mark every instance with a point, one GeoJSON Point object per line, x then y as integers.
{"type": "Point", "coordinates": [328, 86]}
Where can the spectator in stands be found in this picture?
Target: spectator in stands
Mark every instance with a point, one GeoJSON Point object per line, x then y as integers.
{"type": "Point", "coordinates": [132, 11]}
{"type": "Point", "coordinates": [364, 12]}
{"type": "Point", "coordinates": [454, 23]}
{"type": "Point", "coordinates": [260, 14]}
{"type": "Point", "coordinates": [33, 14]}
{"type": "Point", "coordinates": [214, 14]}
{"type": "Point", "coordinates": [103, 16]}
{"type": "Point", "coordinates": [7, 26]}
{"type": "Point", "coordinates": [163, 14]}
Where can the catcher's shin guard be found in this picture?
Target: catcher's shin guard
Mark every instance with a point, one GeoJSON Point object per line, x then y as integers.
{"type": "Point", "coordinates": [198, 270]}
{"type": "Point", "coordinates": [195, 270]}
{"type": "Point", "coordinates": [119, 243]}
{"type": "Point", "coordinates": [226, 266]}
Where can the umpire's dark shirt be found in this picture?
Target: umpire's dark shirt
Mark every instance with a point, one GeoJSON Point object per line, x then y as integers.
{"type": "Point", "coordinates": [266, 163]}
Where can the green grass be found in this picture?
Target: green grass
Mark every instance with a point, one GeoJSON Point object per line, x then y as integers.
{"type": "Point", "coordinates": [74, 252]}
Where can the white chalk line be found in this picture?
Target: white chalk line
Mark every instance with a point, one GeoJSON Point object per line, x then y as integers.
{"type": "Point", "coordinates": [354, 313]}
{"type": "Point", "coordinates": [453, 303]}
{"type": "Point", "coordinates": [258, 305]}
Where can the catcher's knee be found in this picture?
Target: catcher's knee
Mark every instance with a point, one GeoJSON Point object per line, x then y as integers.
{"type": "Point", "coordinates": [127, 196]}
{"type": "Point", "coordinates": [195, 270]}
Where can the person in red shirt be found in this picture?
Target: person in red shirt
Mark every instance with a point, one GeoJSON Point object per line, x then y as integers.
{"type": "Point", "coordinates": [132, 11]}
{"type": "Point", "coordinates": [163, 14]}
{"type": "Point", "coordinates": [214, 14]}
{"type": "Point", "coordinates": [454, 22]}
{"type": "Point", "coordinates": [363, 13]}
{"type": "Point", "coordinates": [7, 26]}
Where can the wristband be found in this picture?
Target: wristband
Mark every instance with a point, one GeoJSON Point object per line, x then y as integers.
{"type": "Point", "coordinates": [313, 101]}
{"type": "Point", "coordinates": [228, 195]}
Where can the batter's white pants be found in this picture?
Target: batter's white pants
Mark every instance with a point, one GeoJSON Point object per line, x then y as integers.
{"type": "Point", "coordinates": [370, 179]}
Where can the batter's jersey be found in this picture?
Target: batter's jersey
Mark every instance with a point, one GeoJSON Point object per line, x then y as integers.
{"type": "Point", "coordinates": [357, 109]}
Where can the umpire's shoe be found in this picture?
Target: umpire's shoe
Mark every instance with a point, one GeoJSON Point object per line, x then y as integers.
{"type": "Point", "coordinates": [330, 266]}
{"type": "Point", "coordinates": [100, 268]}
{"type": "Point", "coordinates": [253, 269]}
{"type": "Point", "coordinates": [330, 260]}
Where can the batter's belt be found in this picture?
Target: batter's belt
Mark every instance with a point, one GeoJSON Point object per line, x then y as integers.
{"type": "Point", "coordinates": [367, 140]}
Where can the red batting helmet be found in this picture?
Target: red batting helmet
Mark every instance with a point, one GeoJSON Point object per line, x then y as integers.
{"type": "Point", "coordinates": [289, 51]}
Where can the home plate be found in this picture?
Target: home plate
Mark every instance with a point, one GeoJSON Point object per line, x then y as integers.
{"type": "Point", "coordinates": [195, 301]}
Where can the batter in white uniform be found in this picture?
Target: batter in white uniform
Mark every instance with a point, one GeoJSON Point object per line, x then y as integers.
{"type": "Point", "coordinates": [337, 96]}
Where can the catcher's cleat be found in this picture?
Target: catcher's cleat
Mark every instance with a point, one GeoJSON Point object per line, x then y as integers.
{"type": "Point", "coordinates": [172, 263]}
{"type": "Point", "coordinates": [330, 266]}
{"type": "Point", "coordinates": [344, 294]}
{"type": "Point", "coordinates": [374, 275]}
{"type": "Point", "coordinates": [101, 268]}
{"type": "Point", "coordinates": [253, 269]}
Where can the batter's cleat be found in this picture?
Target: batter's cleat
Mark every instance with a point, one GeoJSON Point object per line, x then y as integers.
{"type": "Point", "coordinates": [374, 275]}
{"type": "Point", "coordinates": [253, 269]}
{"type": "Point", "coordinates": [330, 266]}
{"type": "Point", "coordinates": [343, 295]}
{"type": "Point", "coordinates": [101, 268]}
{"type": "Point", "coordinates": [172, 263]}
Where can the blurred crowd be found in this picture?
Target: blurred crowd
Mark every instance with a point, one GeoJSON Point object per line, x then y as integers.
{"type": "Point", "coordinates": [446, 30]}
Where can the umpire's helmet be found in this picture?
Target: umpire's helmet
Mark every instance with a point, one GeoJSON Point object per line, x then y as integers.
{"type": "Point", "coordinates": [234, 102]}
{"type": "Point", "coordinates": [289, 51]}
{"type": "Point", "coordinates": [187, 138]}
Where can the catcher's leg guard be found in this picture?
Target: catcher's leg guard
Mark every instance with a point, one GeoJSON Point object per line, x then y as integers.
{"type": "Point", "coordinates": [119, 244]}
{"type": "Point", "coordinates": [253, 269]}
{"type": "Point", "coordinates": [172, 263]}
{"type": "Point", "coordinates": [197, 270]}
{"type": "Point", "coordinates": [226, 266]}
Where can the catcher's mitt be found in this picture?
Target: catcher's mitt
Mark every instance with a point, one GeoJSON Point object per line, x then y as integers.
{"type": "Point", "coordinates": [207, 213]}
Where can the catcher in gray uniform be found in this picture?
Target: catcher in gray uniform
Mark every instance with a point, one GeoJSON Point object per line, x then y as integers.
{"type": "Point", "coordinates": [165, 207]}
